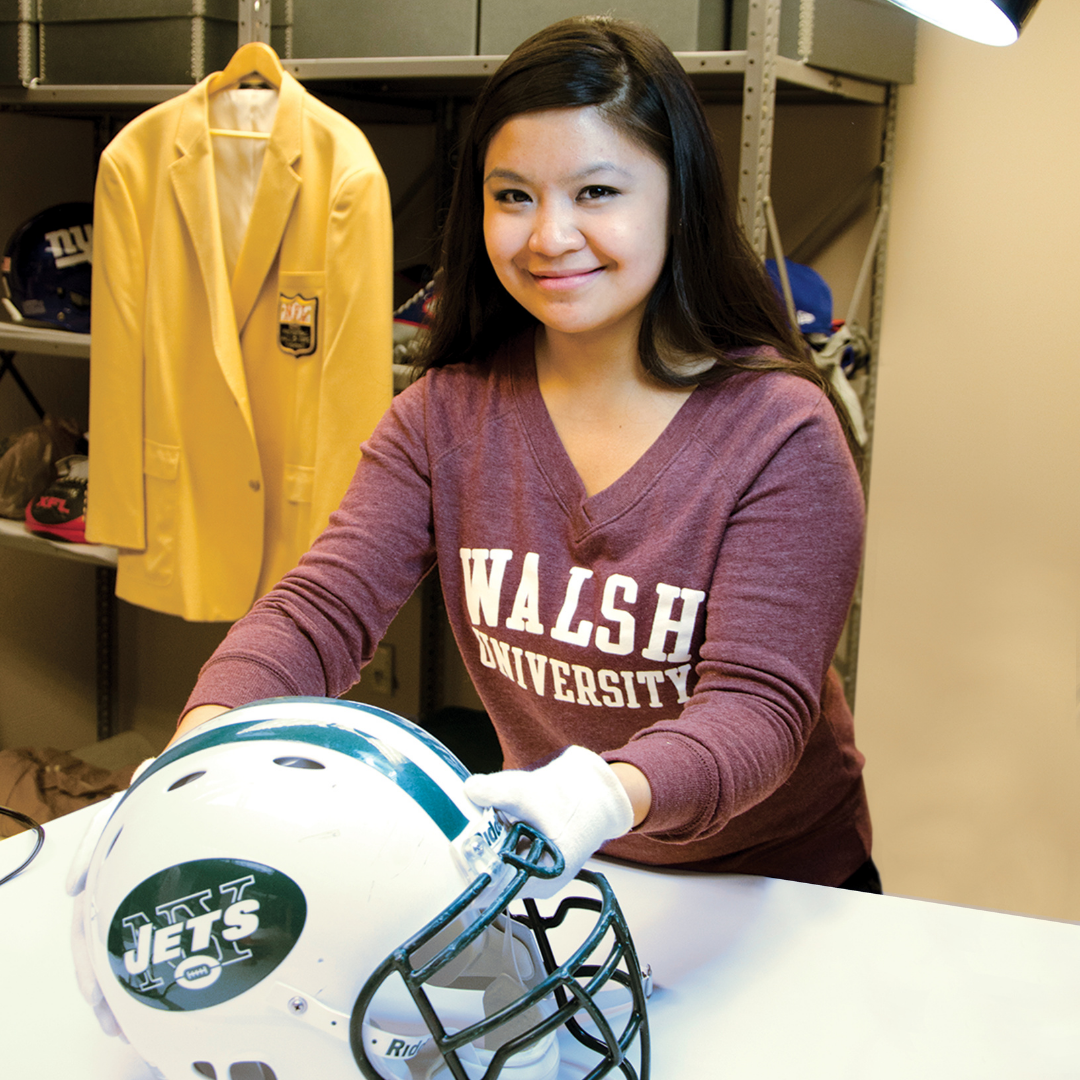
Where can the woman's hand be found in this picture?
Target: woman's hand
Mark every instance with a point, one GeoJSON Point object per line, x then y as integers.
{"type": "Point", "coordinates": [577, 801]}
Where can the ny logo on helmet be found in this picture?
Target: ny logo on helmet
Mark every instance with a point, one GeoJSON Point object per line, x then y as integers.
{"type": "Point", "coordinates": [71, 246]}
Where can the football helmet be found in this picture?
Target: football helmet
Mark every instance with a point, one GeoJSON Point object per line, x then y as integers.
{"type": "Point", "coordinates": [59, 512]}
{"type": "Point", "coordinates": [47, 266]}
{"type": "Point", "coordinates": [300, 888]}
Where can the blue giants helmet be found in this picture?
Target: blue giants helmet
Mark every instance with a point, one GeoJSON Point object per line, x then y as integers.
{"type": "Point", "coordinates": [299, 888]}
{"type": "Point", "coordinates": [47, 266]}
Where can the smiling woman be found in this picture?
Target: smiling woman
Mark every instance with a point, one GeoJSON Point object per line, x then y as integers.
{"type": "Point", "coordinates": [644, 512]}
{"type": "Point", "coordinates": [575, 224]}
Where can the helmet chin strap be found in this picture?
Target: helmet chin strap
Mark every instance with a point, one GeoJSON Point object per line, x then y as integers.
{"type": "Point", "coordinates": [417, 1058]}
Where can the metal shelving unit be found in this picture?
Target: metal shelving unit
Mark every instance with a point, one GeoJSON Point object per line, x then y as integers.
{"type": "Point", "coordinates": [758, 77]}
{"type": "Point", "coordinates": [713, 73]}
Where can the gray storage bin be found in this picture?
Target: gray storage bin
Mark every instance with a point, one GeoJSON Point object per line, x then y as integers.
{"type": "Point", "coordinates": [348, 28]}
{"type": "Point", "coordinates": [18, 42]}
{"type": "Point", "coordinates": [137, 41]}
{"type": "Point", "coordinates": [871, 39]}
{"type": "Point", "coordinates": [683, 25]}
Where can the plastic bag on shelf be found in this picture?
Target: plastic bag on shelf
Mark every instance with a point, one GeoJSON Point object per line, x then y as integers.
{"type": "Point", "coordinates": [28, 461]}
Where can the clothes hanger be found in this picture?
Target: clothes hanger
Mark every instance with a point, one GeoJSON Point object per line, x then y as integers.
{"type": "Point", "coordinates": [253, 58]}
{"type": "Point", "coordinates": [253, 64]}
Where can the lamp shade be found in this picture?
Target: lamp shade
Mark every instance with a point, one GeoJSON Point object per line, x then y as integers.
{"type": "Point", "coordinates": [992, 22]}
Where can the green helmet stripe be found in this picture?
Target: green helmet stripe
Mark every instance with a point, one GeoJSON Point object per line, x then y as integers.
{"type": "Point", "coordinates": [371, 751]}
{"type": "Point", "coordinates": [417, 732]}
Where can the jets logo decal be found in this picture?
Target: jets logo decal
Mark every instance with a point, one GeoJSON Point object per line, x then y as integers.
{"type": "Point", "coordinates": [203, 932]}
{"type": "Point", "coordinates": [298, 319]}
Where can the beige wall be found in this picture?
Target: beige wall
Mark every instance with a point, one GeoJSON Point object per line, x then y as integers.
{"type": "Point", "coordinates": [966, 697]}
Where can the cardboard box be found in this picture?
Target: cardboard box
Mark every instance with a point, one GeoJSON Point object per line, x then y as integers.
{"type": "Point", "coordinates": [683, 25]}
{"type": "Point", "coordinates": [870, 39]}
{"type": "Point", "coordinates": [18, 42]}
{"type": "Point", "coordinates": [165, 42]}
{"type": "Point", "coordinates": [349, 28]}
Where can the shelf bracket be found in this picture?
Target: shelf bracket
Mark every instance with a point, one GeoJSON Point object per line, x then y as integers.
{"type": "Point", "coordinates": [253, 21]}
{"type": "Point", "coordinates": [759, 107]}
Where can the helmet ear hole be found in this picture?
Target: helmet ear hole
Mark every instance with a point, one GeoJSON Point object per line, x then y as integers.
{"type": "Point", "coordinates": [298, 763]}
{"type": "Point", "coordinates": [251, 1070]}
{"type": "Point", "coordinates": [186, 780]}
{"type": "Point", "coordinates": [204, 1068]}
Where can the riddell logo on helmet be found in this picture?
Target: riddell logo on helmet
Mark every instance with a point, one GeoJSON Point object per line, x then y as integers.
{"type": "Point", "coordinates": [493, 831]}
{"type": "Point", "coordinates": [203, 932]}
{"type": "Point", "coordinates": [387, 1044]}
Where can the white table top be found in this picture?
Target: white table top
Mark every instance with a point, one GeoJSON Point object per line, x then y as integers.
{"type": "Point", "coordinates": [757, 979]}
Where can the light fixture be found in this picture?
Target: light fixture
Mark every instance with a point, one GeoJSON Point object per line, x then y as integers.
{"type": "Point", "coordinates": [992, 22]}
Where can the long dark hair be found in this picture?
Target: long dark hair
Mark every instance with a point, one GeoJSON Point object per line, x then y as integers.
{"type": "Point", "coordinates": [713, 298]}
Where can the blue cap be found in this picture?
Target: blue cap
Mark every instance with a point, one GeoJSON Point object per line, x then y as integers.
{"type": "Point", "coordinates": [811, 293]}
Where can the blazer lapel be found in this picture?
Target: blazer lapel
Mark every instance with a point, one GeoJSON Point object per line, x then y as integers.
{"type": "Point", "coordinates": [279, 183]}
{"type": "Point", "coordinates": [192, 175]}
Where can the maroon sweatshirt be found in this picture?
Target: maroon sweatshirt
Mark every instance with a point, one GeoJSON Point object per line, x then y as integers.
{"type": "Point", "coordinates": [683, 619]}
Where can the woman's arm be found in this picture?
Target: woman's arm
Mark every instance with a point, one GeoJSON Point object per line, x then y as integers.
{"type": "Point", "coordinates": [194, 717]}
{"type": "Point", "coordinates": [774, 611]}
{"type": "Point", "coordinates": [636, 786]}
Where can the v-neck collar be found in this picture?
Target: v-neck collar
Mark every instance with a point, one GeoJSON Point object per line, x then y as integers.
{"type": "Point", "coordinates": [585, 511]}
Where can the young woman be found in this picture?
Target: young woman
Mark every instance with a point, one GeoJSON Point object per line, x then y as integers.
{"type": "Point", "coordinates": [641, 502]}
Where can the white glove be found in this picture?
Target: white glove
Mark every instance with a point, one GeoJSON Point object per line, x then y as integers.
{"type": "Point", "coordinates": [75, 886]}
{"type": "Point", "coordinates": [576, 801]}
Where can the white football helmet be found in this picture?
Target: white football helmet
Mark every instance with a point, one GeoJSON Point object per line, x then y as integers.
{"type": "Point", "coordinates": [300, 888]}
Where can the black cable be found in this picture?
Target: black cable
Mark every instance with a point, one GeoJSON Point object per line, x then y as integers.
{"type": "Point", "coordinates": [30, 823]}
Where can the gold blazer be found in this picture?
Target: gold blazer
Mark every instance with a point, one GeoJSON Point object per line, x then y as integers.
{"type": "Point", "coordinates": [226, 416]}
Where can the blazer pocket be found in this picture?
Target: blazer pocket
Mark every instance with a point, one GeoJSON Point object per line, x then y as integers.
{"type": "Point", "coordinates": [161, 469]}
{"type": "Point", "coordinates": [300, 298]}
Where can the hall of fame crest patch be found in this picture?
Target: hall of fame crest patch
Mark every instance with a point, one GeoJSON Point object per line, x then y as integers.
{"type": "Point", "coordinates": [298, 320]}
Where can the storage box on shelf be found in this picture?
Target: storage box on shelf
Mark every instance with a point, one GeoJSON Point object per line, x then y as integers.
{"type": "Point", "coordinates": [87, 42]}
{"type": "Point", "coordinates": [338, 28]}
{"type": "Point", "coordinates": [870, 39]}
{"type": "Point", "coordinates": [684, 25]}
